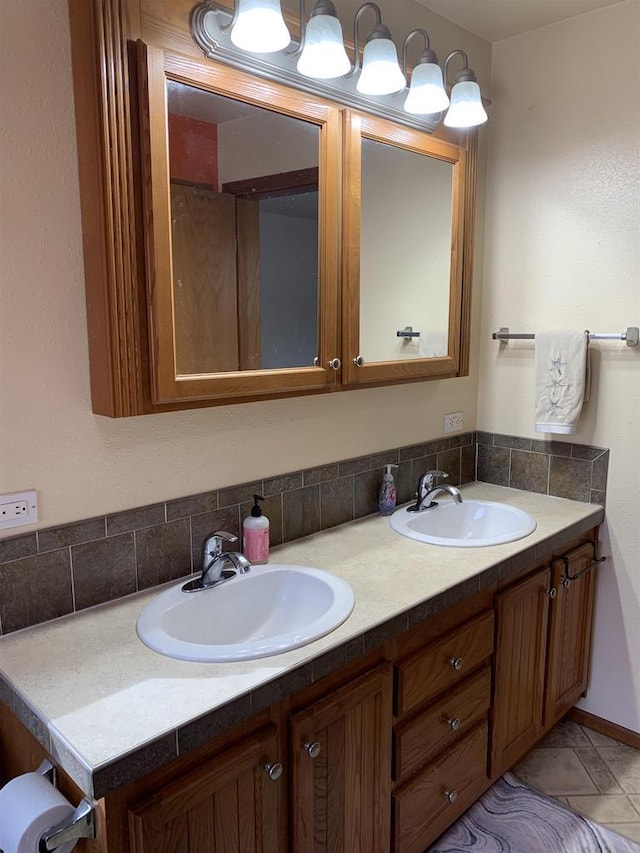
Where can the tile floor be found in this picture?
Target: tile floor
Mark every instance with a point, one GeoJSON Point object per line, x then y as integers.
{"type": "Point", "coordinates": [592, 774]}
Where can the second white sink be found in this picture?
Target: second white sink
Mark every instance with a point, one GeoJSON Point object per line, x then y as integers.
{"type": "Point", "coordinates": [470, 524]}
{"type": "Point", "coordinates": [263, 612]}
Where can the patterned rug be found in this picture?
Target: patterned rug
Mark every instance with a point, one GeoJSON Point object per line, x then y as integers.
{"type": "Point", "coordinates": [511, 818]}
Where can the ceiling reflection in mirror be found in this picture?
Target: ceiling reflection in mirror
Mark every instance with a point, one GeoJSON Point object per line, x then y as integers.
{"type": "Point", "coordinates": [405, 253]}
{"type": "Point", "coordinates": [244, 212]}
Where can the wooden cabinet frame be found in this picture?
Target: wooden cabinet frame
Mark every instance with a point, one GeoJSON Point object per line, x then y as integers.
{"type": "Point", "coordinates": [126, 251]}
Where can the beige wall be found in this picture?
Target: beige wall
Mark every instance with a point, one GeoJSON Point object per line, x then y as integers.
{"type": "Point", "coordinates": [562, 250]}
{"type": "Point", "coordinates": [82, 464]}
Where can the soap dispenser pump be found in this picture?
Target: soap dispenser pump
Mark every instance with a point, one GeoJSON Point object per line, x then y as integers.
{"type": "Point", "coordinates": [388, 495]}
{"type": "Point", "coordinates": [255, 534]}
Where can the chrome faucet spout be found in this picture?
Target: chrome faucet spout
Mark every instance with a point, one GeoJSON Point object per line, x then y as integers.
{"type": "Point", "coordinates": [451, 490]}
{"type": "Point", "coordinates": [428, 488]}
{"type": "Point", "coordinates": [214, 559]}
{"type": "Point", "coordinates": [214, 573]}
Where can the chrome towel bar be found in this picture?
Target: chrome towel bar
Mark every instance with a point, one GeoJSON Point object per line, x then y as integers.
{"type": "Point", "coordinates": [631, 336]}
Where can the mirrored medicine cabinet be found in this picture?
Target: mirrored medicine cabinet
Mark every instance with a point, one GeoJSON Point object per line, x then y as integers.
{"type": "Point", "coordinates": [245, 240]}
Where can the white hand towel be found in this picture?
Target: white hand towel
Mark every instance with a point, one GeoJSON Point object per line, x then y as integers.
{"type": "Point", "coordinates": [559, 374]}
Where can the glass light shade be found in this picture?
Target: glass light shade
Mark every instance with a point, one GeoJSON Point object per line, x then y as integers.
{"type": "Point", "coordinates": [426, 95]}
{"type": "Point", "coordinates": [260, 27]}
{"type": "Point", "coordinates": [466, 108]}
{"type": "Point", "coordinates": [381, 74]}
{"type": "Point", "coordinates": [323, 55]}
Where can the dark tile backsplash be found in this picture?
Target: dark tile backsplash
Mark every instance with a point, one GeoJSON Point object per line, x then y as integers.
{"type": "Point", "coordinates": [35, 589]}
{"type": "Point", "coordinates": [78, 565]}
{"type": "Point", "coordinates": [565, 470]}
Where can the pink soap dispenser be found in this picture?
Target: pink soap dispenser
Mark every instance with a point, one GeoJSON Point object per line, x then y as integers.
{"type": "Point", "coordinates": [255, 534]}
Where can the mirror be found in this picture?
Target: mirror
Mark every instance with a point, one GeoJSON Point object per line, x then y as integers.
{"type": "Point", "coordinates": [405, 297]}
{"type": "Point", "coordinates": [241, 196]}
{"type": "Point", "coordinates": [405, 253]}
{"type": "Point", "coordinates": [244, 234]}
{"type": "Point", "coordinates": [254, 194]}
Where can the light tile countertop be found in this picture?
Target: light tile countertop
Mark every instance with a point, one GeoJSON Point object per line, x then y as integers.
{"type": "Point", "coordinates": [109, 709]}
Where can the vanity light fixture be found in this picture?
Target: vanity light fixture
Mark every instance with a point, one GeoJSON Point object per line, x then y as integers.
{"type": "Point", "coordinates": [466, 108]}
{"type": "Point", "coordinates": [253, 37]}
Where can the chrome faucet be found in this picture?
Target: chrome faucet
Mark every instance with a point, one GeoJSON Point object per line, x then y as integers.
{"type": "Point", "coordinates": [427, 488]}
{"type": "Point", "coordinates": [214, 559]}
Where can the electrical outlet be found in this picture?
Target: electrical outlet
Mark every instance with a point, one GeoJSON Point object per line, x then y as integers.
{"type": "Point", "coordinates": [18, 508]}
{"type": "Point", "coordinates": [454, 422]}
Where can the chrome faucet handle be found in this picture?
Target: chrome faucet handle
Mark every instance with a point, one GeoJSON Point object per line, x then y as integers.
{"type": "Point", "coordinates": [430, 476]}
{"type": "Point", "coordinates": [212, 547]}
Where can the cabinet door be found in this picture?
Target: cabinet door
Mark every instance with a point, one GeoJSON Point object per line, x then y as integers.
{"type": "Point", "coordinates": [408, 199]}
{"type": "Point", "coordinates": [341, 769]}
{"type": "Point", "coordinates": [569, 632]}
{"type": "Point", "coordinates": [242, 298]}
{"type": "Point", "coordinates": [229, 805]}
{"type": "Point", "coordinates": [521, 644]}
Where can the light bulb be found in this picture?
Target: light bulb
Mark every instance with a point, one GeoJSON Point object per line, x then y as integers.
{"type": "Point", "coordinates": [381, 74]}
{"type": "Point", "coordinates": [427, 94]}
{"type": "Point", "coordinates": [466, 108]}
{"type": "Point", "coordinates": [323, 55]}
{"type": "Point", "coordinates": [260, 27]}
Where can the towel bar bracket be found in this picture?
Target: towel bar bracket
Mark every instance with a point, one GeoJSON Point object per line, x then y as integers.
{"type": "Point", "coordinates": [633, 336]}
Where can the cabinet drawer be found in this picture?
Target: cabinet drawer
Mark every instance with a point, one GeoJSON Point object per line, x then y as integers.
{"type": "Point", "coordinates": [426, 806]}
{"type": "Point", "coordinates": [428, 672]}
{"type": "Point", "coordinates": [418, 740]}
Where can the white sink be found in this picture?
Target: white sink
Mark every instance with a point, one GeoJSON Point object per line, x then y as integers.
{"type": "Point", "coordinates": [471, 524]}
{"type": "Point", "coordinates": [268, 610]}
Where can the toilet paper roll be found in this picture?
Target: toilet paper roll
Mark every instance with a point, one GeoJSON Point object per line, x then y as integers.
{"type": "Point", "coordinates": [29, 806]}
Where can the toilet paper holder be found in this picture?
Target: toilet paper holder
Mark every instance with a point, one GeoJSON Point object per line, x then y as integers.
{"type": "Point", "coordinates": [81, 824]}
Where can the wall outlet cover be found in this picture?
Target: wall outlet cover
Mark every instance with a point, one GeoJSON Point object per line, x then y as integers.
{"type": "Point", "coordinates": [17, 508]}
{"type": "Point", "coordinates": [454, 422]}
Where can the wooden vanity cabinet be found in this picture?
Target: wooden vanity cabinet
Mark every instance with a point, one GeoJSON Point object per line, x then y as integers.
{"type": "Point", "coordinates": [384, 753]}
{"type": "Point", "coordinates": [542, 653]}
{"type": "Point", "coordinates": [310, 777]}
